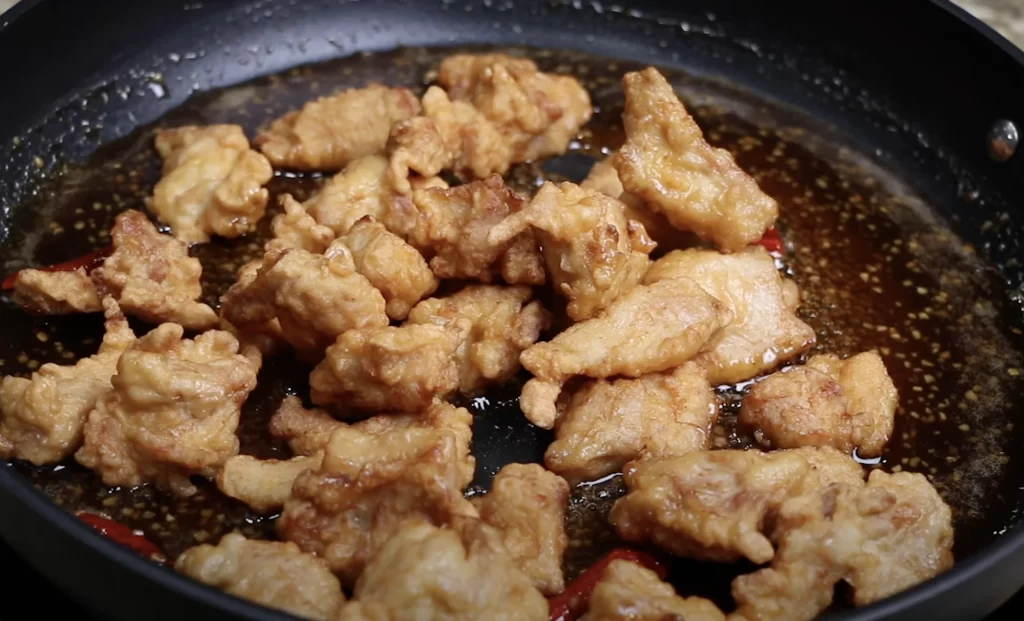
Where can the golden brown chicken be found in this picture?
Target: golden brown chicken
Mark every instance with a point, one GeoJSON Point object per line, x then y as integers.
{"type": "Point", "coordinates": [630, 592]}
{"type": "Point", "coordinates": [296, 228]}
{"type": "Point", "coordinates": [40, 292]}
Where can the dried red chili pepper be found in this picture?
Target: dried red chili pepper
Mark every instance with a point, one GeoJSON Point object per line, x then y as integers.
{"type": "Point", "coordinates": [89, 261]}
{"type": "Point", "coordinates": [573, 602]}
{"type": "Point", "coordinates": [772, 241]}
{"type": "Point", "coordinates": [123, 535]}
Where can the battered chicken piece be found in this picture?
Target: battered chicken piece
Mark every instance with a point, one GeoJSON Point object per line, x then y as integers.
{"type": "Point", "coordinates": [882, 538]}
{"type": "Point", "coordinates": [152, 276]}
{"type": "Point", "coordinates": [631, 592]}
{"type": "Point", "coordinates": [41, 417]}
{"type": "Point", "coordinates": [367, 485]}
{"type": "Point", "coordinates": [263, 484]}
{"type": "Point", "coordinates": [451, 226]}
{"type": "Point", "coordinates": [212, 182]}
{"type": "Point", "coordinates": [453, 573]}
{"type": "Point", "coordinates": [666, 162]}
{"type": "Point", "coordinates": [537, 113]}
{"type": "Point", "coordinates": [594, 254]}
{"type": "Point", "coordinates": [307, 431]}
{"type": "Point", "coordinates": [503, 325]}
{"type": "Point", "coordinates": [314, 298]}
{"type": "Point", "coordinates": [648, 329]}
{"type": "Point", "coordinates": [394, 267]}
{"type": "Point", "coordinates": [39, 292]}
{"type": "Point", "coordinates": [329, 132]}
{"type": "Point", "coordinates": [295, 228]}
{"type": "Point", "coordinates": [389, 369]}
{"type": "Point", "coordinates": [527, 506]}
{"type": "Point", "coordinates": [716, 505]}
{"type": "Point", "coordinates": [609, 423]}
{"type": "Point", "coordinates": [272, 573]}
{"type": "Point", "coordinates": [844, 404]}
{"type": "Point", "coordinates": [172, 411]}
{"type": "Point", "coordinates": [764, 331]}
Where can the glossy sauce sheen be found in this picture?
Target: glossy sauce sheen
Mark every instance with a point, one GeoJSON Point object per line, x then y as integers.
{"type": "Point", "coordinates": [876, 268]}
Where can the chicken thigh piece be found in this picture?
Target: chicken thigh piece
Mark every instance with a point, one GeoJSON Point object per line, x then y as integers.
{"type": "Point", "coordinates": [630, 592]}
{"type": "Point", "coordinates": [41, 292]}
{"type": "Point", "coordinates": [296, 228]}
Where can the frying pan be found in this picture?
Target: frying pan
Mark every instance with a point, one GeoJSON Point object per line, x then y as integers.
{"type": "Point", "coordinates": [918, 84]}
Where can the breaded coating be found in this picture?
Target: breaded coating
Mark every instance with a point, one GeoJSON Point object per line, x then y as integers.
{"type": "Point", "coordinates": [527, 505]}
{"type": "Point", "coordinates": [845, 404]}
{"type": "Point", "coordinates": [39, 292]}
{"type": "Point", "coordinates": [456, 572]}
{"type": "Point", "coordinates": [41, 418]}
{"type": "Point", "coordinates": [650, 328]}
{"type": "Point", "coordinates": [504, 323]}
{"type": "Point", "coordinates": [172, 412]}
{"type": "Point", "coordinates": [394, 267]}
{"type": "Point", "coordinates": [329, 132]}
{"type": "Point", "coordinates": [593, 253]}
{"type": "Point", "coordinates": [366, 487]}
{"type": "Point", "coordinates": [152, 276]}
{"type": "Point", "coordinates": [630, 592]}
{"type": "Point", "coordinates": [212, 182]}
{"type": "Point", "coordinates": [716, 505]}
{"type": "Point", "coordinates": [881, 538]}
{"type": "Point", "coordinates": [609, 423]}
{"type": "Point", "coordinates": [263, 484]}
{"type": "Point", "coordinates": [764, 331]}
{"type": "Point", "coordinates": [295, 228]}
{"type": "Point", "coordinates": [537, 113]}
{"type": "Point", "coordinates": [314, 298]}
{"type": "Point", "coordinates": [389, 369]}
{"type": "Point", "coordinates": [666, 162]}
{"type": "Point", "coordinates": [451, 227]}
{"type": "Point", "coordinates": [272, 573]}
{"type": "Point", "coordinates": [306, 431]}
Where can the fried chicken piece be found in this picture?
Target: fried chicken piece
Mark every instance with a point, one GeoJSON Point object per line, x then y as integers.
{"type": "Point", "coordinates": [881, 538]}
{"type": "Point", "coordinates": [172, 411]}
{"type": "Point", "coordinates": [329, 132]}
{"type": "Point", "coordinates": [527, 505]}
{"type": "Point", "coordinates": [666, 162]}
{"type": "Point", "coordinates": [630, 592]}
{"type": "Point", "coordinates": [314, 298]}
{"type": "Point", "coordinates": [537, 113]}
{"type": "Point", "coordinates": [503, 325]}
{"type": "Point", "coordinates": [212, 182]}
{"type": "Point", "coordinates": [367, 485]}
{"type": "Point", "coordinates": [306, 431]}
{"type": "Point", "coordinates": [272, 573]}
{"type": "Point", "coordinates": [394, 267]}
{"type": "Point", "coordinates": [263, 484]}
{"type": "Point", "coordinates": [458, 572]}
{"type": "Point", "coordinates": [451, 226]}
{"type": "Point", "coordinates": [390, 369]}
{"type": "Point", "coordinates": [609, 423]}
{"type": "Point", "coordinates": [594, 254]}
{"type": "Point", "coordinates": [39, 292]}
{"type": "Point", "coordinates": [41, 417]}
{"type": "Point", "coordinates": [152, 276]}
{"type": "Point", "coordinates": [764, 331]}
{"type": "Point", "coordinates": [648, 329]}
{"type": "Point", "coordinates": [716, 505]}
{"type": "Point", "coordinates": [844, 404]}
{"type": "Point", "coordinates": [295, 228]}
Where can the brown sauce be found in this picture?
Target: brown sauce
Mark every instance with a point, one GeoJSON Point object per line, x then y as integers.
{"type": "Point", "coordinates": [877, 269]}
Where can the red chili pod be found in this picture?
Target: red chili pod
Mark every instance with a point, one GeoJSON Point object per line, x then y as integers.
{"type": "Point", "coordinates": [572, 603]}
{"type": "Point", "coordinates": [123, 535]}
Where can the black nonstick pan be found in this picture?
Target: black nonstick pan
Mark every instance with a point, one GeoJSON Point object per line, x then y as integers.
{"type": "Point", "coordinates": [895, 124]}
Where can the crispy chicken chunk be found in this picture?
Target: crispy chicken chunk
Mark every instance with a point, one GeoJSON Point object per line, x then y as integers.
{"type": "Point", "coordinates": [881, 538]}
{"type": "Point", "coordinates": [306, 431]}
{"type": "Point", "coordinates": [716, 505]}
{"type": "Point", "coordinates": [295, 228]}
{"type": "Point", "coordinates": [458, 572]}
{"type": "Point", "coordinates": [630, 592]}
{"type": "Point", "coordinates": [537, 113]}
{"type": "Point", "coordinates": [649, 329]}
{"type": "Point", "coordinates": [666, 162]}
{"type": "Point", "coordinates": [361, 189]}
{"type": "Point", "coordinates": [504, 323]}
{"type": "Point", "coordinates": [40, 292]}
{"type": "Point", "coordinates": [263, 484]}
{"type": "Point", "coordinates": [394, 267]}
{"type": "Point", "coordinates": [41, 417]}
{"type": "Point", "coordinates": [367, 485]}
{"type": "Point", "coordinates": [594, 254]}
{"type": "Point", "coordinates": [844, 404]}
{"type": "Point", "coordinates": [212, 182]}
{"type": "Point", "coordinates": [328, 133]}
{"type": "Point", "coordinates": [172, 412]}
{"type": "Point", "coordinates": [764, 330]}
{"type": "Point", "coordinates": [609, 423]}
{"type": "Point", "coordinates": [399, 369]}
{"type": "Point", "coordinates": [272, 573]}
{"type": "Point", "coordinates": [451, 226]}
{"type": "Point", "coordinates": [527, 506]}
